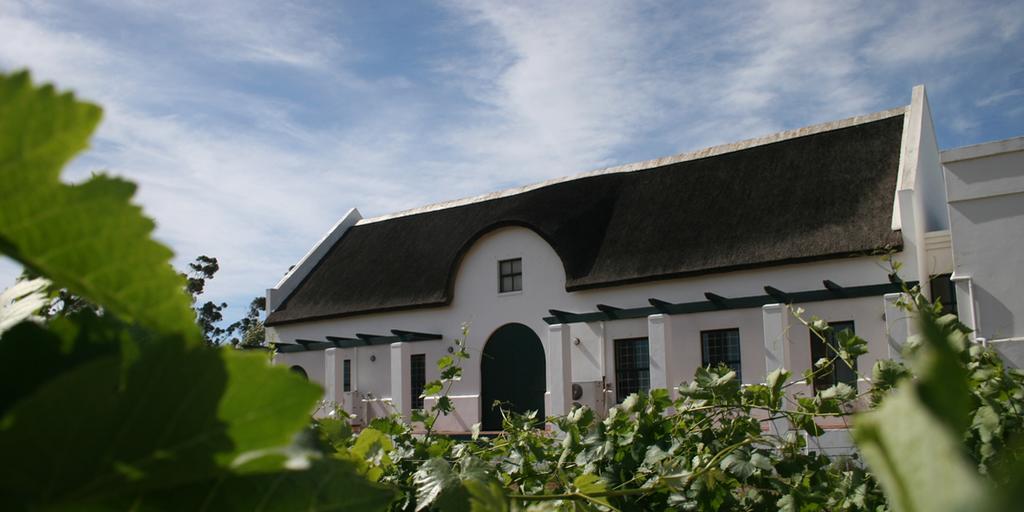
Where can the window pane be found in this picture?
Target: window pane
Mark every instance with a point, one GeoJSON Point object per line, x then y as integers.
{"type": "Point", "coordinates": [517, 266]}
{"type": "Point", "coordinates": [346, 379]}
{"type": "Point", "coordinates": [506, 284]}
{"type": "Point", "coordinates": [517, 282]}
{"type": "Point", "coordinates": [505, 267]}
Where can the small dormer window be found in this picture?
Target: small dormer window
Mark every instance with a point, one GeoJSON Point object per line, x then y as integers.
{"type": "Point", "coordinates": [510, 275]}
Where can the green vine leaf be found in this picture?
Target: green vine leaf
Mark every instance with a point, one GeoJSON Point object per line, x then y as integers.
{"type": "Point", "coordinates": [87, 237]}
{"type": "Point", "coordinates": [115, 420]}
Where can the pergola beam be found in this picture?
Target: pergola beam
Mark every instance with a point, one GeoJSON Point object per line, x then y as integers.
{"type": "Point", "coordinates": [719, 301]}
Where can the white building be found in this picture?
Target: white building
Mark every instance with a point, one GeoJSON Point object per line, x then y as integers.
{"type": "Point", "coordinates": [630, 278]}
{"type": "Point", "coordinates": [985, 187]}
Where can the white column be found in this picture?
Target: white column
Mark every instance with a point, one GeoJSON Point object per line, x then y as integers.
{"type": "Point", "coordinates": [776, 337]}
{"type": "Point", "coordinates": [559, 369]}
{"type": "Point", "coordinates": [775, 318]}
{"type": "Point", "coordinates": [659, 339]}
{"type": "Point", "coordinates": [401, 398]}
{"type": "Point", "coordinates": [897, 324]}
{"type": "Point", "coordinates": [355, 371]}
{"type": "Point", "coordinates": [333, 378]}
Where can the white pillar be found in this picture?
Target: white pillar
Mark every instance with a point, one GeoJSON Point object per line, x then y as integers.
{"type": "Point", "coordinates": [333, 378]}
{"type": "Point", "coordinates": [776, 337]}
{"type": "Point", "coordinates": [897, 324]}
{"type": "Point", "coordinates": [401, 398]}
{"type": "Point", "coordinates": [354, 366]}
{"type": "Point", "coordinates": [559, 369]}
{"type": "Point", "coordinates": [775, 318]}
{"type": "Point", "coordinates": [659, 339]}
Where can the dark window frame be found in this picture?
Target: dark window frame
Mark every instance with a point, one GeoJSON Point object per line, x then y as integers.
{"type": "Point", "coordinates": [510, 275]}
{"type": "Point", "coordinates": [417, 379]}
{"type": "Point", "coordinates": [632, 367]}
{"type": "Point", "coordinates": [839, 371]}
{"type": "Point", "coordinates": [944, 290]}
{"type": "Point", "coordinates": [711, 356]}
{"type": "Point", "coordinates": [346, 375]}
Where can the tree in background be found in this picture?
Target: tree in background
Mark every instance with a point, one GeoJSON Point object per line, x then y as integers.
{"type": "Point", "coordinates": [209, 314]}
{"type": "Point", "coordinates": [250, 328]}
{"type": "Point", "coordinates": [246, 332]}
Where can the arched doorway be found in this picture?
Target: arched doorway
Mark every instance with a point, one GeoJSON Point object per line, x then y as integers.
{"type": "Point", "coordinates": [512, 372]}
{"type": "Point", "coordinates": [299, 370]}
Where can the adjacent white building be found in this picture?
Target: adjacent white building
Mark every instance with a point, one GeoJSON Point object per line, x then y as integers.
{"type": "Point", "coordinates": [588, 288]}
{"type": "Point", "coordinates": [985, 186]}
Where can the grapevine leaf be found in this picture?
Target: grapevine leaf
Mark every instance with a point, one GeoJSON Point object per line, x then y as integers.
{"type": "Point", "coordinates": [432, 479]}
{"type": "Point", "coordinates": [87, 237]}
{"type": "Point", "coordinates": [902, 442]}
{"type": "Point", "coordinates": [486, 496]}
{"type": "Point", "coordinates": [922, 422]}
{"type": "Point", "coordinates": [169, 415]}
{"type": "Point", "coordinates": [738, 464]}
{"type": "Point", "coordinates": [327, 485]}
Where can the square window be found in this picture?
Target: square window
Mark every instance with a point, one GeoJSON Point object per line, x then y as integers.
{"type": "Point", "coordinates": [721, 346]}
{"type": "Point", "coordinates": [632, 367]}
{"type": "Point", "coordinates": [839, 371]}
{"type": "Point", "coordinates": [510, 275]}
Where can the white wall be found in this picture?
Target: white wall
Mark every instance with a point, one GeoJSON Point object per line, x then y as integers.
{"type": "Point", "coordinates": [919, 205]}
{"type": "Point", "coordinates": [477, 301]}
{"type": "Point", "coordinates": [985, 186]}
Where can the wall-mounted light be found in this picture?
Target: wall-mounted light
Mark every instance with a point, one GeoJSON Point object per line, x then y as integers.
{"type": "Point", "coordinates": [373, 357]}
{"type": "Point", "coordinates": [451, 350]}
{"type": "Point", "coordinates": [575, 341]}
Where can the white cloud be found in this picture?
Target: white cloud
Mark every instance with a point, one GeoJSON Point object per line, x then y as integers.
{"type": "Point", "coordinates": [233, 167]}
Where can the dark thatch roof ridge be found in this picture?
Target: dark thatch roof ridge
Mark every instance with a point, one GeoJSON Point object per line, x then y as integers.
{"type": "Point", "coordinates": [818, 194]}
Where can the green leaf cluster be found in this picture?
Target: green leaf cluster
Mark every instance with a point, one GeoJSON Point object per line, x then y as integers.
{"type": "Point", "coordinates": [124, 407]}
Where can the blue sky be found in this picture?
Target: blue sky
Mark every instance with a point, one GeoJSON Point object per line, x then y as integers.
{"type": "Point", "coordinates": [252, 126]}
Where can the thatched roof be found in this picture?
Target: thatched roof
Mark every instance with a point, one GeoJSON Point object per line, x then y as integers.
{"type": "Point", "coordinates": [828, 194]}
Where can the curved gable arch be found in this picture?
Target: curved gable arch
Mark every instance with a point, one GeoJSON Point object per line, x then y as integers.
{"type": "Point", "coordinates": [460, 255]}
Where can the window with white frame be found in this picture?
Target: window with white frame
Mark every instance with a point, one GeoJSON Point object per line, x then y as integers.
{"type": "Point", "coordinates": [510, 275]}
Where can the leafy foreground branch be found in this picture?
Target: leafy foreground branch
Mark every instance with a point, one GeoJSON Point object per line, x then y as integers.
{"type": "Point", "coordinates": [122, 407]}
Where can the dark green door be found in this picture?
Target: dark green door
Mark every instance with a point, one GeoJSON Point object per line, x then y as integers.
{"type": "Point", "coordinates": [512, 372]}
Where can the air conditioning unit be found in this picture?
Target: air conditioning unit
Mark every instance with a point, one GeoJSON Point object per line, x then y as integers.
{"type": "Point", "coordinates": [590, 394]}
